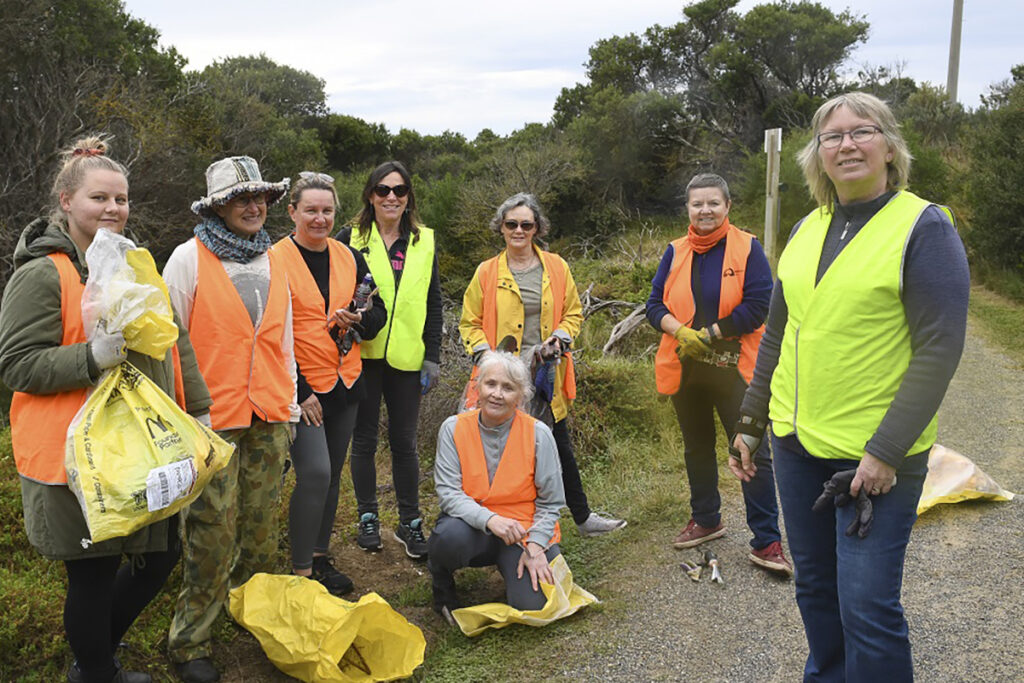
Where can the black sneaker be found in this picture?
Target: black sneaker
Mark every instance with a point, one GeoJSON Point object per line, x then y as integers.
{"type": "Point", "coordinates": [411, 536]}
{"type": "Point", "coordinates": [122, 676]}
{"type": "Point", "coordinates": [369, 532]}
{"type": "Point", "coordinates": [199, 670]}
{"type": "Point", "coordinates": [334, 581]}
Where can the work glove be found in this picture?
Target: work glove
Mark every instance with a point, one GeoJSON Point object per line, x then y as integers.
{"type": "Point", "coordinates": [692, 343]}
{"type": "Point", "coordinates": [108, 349]}
{"type": "Point", "coordinates": [544, 380]}
{"type": "Point", "coordinates": [751, 430]}
{"type": "Point", "coordinates": [429, 374]}
{"type": "Point", "coordinates": [478, 354]}
{"type": "Point", "coordinates": [837, 491]}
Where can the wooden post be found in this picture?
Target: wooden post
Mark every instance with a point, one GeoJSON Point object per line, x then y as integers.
{"type": "Point", "coordinates": [952, 75]}
{"type": "Point", "coordinates": [773, 148]}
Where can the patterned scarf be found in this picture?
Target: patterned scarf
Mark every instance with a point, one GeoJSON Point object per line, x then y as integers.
{"type": "Point", "coordinates": [226, 245]}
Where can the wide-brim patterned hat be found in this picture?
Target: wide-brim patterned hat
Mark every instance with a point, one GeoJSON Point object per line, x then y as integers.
{"type": "Point", "coordinates": [233, 176]}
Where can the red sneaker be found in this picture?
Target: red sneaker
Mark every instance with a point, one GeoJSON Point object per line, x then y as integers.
{"type": "Point", "coordinates": [771, 557]}
{"type": "Point", "coordinates": [695, 534]}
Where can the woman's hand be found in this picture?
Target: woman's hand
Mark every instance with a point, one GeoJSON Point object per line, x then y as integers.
{"type": "Point", "coordinates": [312, 411]}
{"type": "Point", "coordinates": [743, 467]}
{"type": "Point", "coordinates": [875, 476]}
{"type": "Point", "coordinates": [534, 560]}
{"type": "Point", "coordinates": [345, 319]}
{"type": "Point", "coordinates": [508, 530]}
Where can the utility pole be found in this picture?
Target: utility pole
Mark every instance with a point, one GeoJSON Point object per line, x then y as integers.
{"type": "Point", "coordinates": [954, 49]}
{"type": "Point", "coordinates": [773, 148]}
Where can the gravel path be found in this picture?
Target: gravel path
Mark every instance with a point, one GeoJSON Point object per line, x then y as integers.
{"type": "Point", "coordinates": [962, 583]}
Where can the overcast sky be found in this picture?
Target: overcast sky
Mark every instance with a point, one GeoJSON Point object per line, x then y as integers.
{"type": "Point", "coordinates": [435, 65]}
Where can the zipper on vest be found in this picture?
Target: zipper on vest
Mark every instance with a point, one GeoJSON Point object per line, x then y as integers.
{"type": "Point", "coordinates": [796, 377]}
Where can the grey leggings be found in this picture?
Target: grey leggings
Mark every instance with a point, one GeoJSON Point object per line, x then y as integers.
{"type": "Point", "coordinates": [455, 544]}
{"type": "Point", "coordinates": [317, 455]}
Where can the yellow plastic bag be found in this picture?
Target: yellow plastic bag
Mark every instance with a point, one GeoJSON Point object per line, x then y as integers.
{"type": "Point", "coordinates": [313, 636]}
{"type": "Point", "coordinates": [564, 598]}
{"type": "Point", "coordinates": [133, 457]}
{"type": "Point", "coordinates": [126, 293]}
{"type": "Point", "coordinates": [953, 477]}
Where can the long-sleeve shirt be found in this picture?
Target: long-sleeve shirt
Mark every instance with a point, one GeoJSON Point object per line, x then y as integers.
{"type": "Point", "coordinates": [936, 286]}
{"type": "Point", "coordinates": [707, 268]}
{"type": "Point", "coordinates": [547, 477]}
{"type": "Point", "coordinates": [251, 280]}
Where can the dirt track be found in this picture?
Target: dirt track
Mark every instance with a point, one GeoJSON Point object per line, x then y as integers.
{"type": "Point", "coordinates": [962, 583]}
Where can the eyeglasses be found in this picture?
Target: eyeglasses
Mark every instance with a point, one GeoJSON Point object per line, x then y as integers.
{"type": "Point", "coordinates": [313, 175]}
{"type": "Point", "coordinates": [858, 135]}
{"type": "Point", "coordinates": [511, 225]}
{"type": "Point", "coordinates": [243, 200]}
{"type": "Point", "coordinates": [383, 191]}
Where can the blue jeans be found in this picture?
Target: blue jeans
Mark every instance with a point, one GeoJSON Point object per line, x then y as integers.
{"type": "Point", "coordinates": [848, 588]}
{"type": "Point", "coordinates": [704, 390]}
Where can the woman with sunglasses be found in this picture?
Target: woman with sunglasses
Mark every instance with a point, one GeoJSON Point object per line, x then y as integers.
{"type": "Point", "coordinates": [402, 363]}
{"type": "Point", "coordinates": [864, 333]}
{"type": "Point", "coordinates": [529, 295]}
{"type": "Point", "coordinates": [323, 275]}
{"type": "Point", "coordinates": [233, 296]}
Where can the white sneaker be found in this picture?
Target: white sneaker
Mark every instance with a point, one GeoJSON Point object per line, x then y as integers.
{"type": "Point", "coordinates": [595, 525]}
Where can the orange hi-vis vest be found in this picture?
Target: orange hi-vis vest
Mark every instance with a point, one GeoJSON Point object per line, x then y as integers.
{"type": "Point", "coordinates": [315, 352]}
{"type": "Point", "coordinates": [244, 367]}
{"type": "Point", "coordinates": [39, 422]}
{"type": "Point", "coordinates": [678, 297]}
{"type": "Point", "coordinates": [489, 288]}
{"type": "Point", "coordinates": [513, 491]}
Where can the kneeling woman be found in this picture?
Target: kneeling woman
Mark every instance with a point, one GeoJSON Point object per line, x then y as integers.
{"type": "Point", "coordinates": [500, 489]}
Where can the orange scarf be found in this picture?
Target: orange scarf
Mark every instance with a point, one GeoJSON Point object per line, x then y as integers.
{"type": "Point", "coordinates": [702, 243]}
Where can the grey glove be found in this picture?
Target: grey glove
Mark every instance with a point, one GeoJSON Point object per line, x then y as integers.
{"type": "Point", "coordinates": [429, 374]}
{"type": "Point", "coordinates": [108, 349]}
{"type": "Point", "coordinates": [751, 431]}
{"type": "Point", "coordinates": [204, 420]}
{"type": "Point", "coordinates": [837, 491]}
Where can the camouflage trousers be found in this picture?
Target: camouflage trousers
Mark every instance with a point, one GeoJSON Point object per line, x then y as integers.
{"type": "Point", "coordinates": [228, 534]}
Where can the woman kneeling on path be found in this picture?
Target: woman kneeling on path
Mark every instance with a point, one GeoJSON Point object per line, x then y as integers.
{"type": "Point", "coordinates": [233, 296]}
{"type": "Point", "coordinates": [709, 298]}
{"type": "Point", "coordinates": [323, 275]}
{"type": "Point", "coordinates": [497, 480]}
{"type": "Point", "coordinates": [866, 328]}
{"type": "Point", "coordinates": [46, 360]}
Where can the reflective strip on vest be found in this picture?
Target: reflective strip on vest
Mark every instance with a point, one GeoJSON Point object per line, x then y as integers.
{"type": "Point", "coordinates": [513, 491]}
{"type": "Point", "coordinates": [400, 341]}
{"type": "Point", "coordinates": [678, 298]}
{"type": "Point", "coordinates": [846, 345]}
{"type": "Point", "coordinates": [315, 351]}
{"type": "Point", "coordinates": [39, 422]}
{"type": "Point", "coordinates": [244, 368]}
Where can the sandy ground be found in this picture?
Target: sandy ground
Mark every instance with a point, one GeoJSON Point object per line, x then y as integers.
{"type": "Point", "coordinates": [962, 585]}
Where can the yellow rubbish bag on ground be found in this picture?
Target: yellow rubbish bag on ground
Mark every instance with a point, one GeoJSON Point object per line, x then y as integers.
{"type": "Point", "coordinates": [953, 477]}
{"type": "Point", "coordinates": [564, 598]}
{"type": "Point", "coordinates": [133, 457]}
{"type": "Point", "coordinates": [125, 293]}
{"type": "Point", "coordinates": [313, 636]}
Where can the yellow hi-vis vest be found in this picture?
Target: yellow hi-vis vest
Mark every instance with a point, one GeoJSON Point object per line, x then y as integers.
{"type": "Point", "coordinates": [400, 342]}
{"type": "Point", "coordinates": [846, 346]}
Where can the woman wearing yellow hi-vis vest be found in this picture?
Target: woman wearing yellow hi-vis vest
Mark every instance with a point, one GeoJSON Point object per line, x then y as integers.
{"type": "Point", "coordinates": [865, 329]}
{"type": "Point", "coordinates": [402, 363]}
{"type": "Point", "coordinates": [529, 295]}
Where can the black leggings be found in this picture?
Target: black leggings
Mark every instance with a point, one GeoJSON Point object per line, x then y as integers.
{"type": "Point", "coordinates": [575, 498]}
{"type": "Point", "coordinates": [104, 598]}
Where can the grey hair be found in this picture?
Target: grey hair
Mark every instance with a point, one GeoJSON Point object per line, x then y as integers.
{"type": "Point", "coordinates": [702, 180]}
{"type": "Point", "coordinates": [514, 367]}
{"type": "Point", "coordinates": [530, 202]}
{"type": "Point", "coordinates": [865, 106]}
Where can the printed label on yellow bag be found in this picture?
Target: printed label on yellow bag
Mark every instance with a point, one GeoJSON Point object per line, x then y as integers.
{"type": "Point", "coordinates": [166, 484]}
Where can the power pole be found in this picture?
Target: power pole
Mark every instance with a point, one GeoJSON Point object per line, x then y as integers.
{"type": "Point", "coordinates": [954, 49]}
{"type": "Point", "coordinates": [773, 148]}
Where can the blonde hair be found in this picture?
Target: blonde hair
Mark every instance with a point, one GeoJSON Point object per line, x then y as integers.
{"type": "Point", "coordinates": [868, 107]}
{"type": "Point", "coordinates": [84, 155]}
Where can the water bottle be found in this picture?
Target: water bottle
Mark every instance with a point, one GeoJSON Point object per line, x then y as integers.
{"type": "Point", "coordinates": [358, 303]}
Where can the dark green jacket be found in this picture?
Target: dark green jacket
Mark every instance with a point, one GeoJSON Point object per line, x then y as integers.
{"type": "Point", "coordinates": [33, 360]}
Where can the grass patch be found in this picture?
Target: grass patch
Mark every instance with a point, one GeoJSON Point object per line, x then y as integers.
{"type": "Point", "coordinates": [1000, 319]}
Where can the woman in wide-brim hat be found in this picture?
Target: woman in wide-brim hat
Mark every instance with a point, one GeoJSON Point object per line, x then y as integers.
{"type": "Point", "coordinates": [233, 296]}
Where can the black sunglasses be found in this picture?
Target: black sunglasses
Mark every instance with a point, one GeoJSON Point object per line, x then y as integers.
{"type": "Point", "coordinates": [527, 226]}
{"type": "Point", "coordinates": [384, 190]}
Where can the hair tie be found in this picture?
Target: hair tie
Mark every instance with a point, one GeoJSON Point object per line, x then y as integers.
{"type": "Point", "coordinates": [91, 152]}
